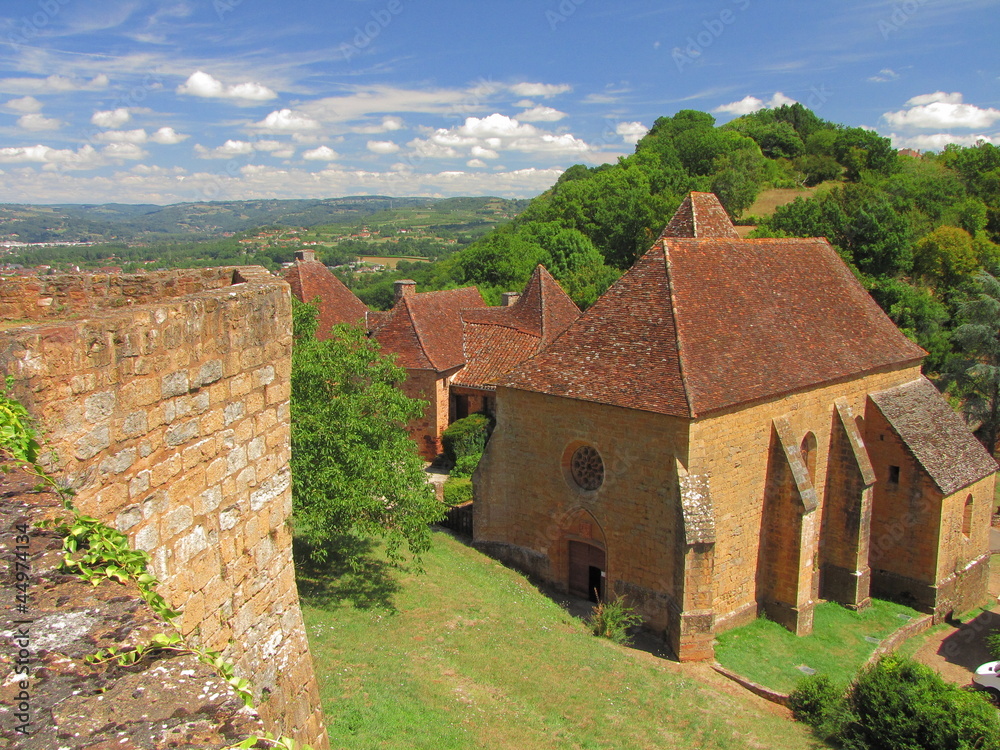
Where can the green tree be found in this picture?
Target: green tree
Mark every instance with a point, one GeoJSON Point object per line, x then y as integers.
{"type": "Point", "coordinates": [977, 368]}
{"type": "Point", "coordinates": [355, 472]}
{"type": "Point", "coordinates": [946, 256]}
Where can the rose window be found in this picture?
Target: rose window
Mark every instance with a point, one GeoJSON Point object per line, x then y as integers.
{"type": "Point", "coordinates": [587, 468]}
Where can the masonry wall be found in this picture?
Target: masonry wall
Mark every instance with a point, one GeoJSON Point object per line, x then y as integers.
{"type": "Point", "coordinates": [528, 508]}
{"type": "Point", "coordinates": [170, 417]}
{"type": "Point", "coordinates": [732, 448]}
{"type": "Point", "coordinates": [432, 387]}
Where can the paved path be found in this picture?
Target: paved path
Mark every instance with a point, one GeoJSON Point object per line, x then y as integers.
{"type": "Point", "coordinates": [958, 650]}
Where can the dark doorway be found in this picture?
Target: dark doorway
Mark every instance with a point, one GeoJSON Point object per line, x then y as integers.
{"type": "Point", "coordinates": [586, 570]}
{"type": "Point", "coordinates": [461, 408]}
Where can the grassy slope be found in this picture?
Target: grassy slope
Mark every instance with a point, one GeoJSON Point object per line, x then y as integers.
{"type": "Point", "coordinates": [473, 656]}
{"type": "Point", "coordinates": [769, 654]}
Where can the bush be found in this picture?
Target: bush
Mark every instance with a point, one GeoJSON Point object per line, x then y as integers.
{"type": "Point", "coordinates": [457, 490]}
{"type": "Point", "coordinates": [466, 465]}
{"type": "Point", "coordinates": [993, 643]}
{"type": "Point", "coordinates": [613, 619]}
{"type": "Point", "coordinates": [466, 437]}
{"type": "Point", "coordinates": [898, 704]}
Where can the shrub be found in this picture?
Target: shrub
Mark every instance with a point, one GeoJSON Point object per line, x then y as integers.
{"type": "Point", "coordinates": [457, 490]}
{"type": "Point", "coordinates": [465, 465]}
{"type": "Point", "coordinates": [613, 620]}
{"type": "Point", "coordinates": [820, 703]}
{"type": "Point", "coordinates": [993, 643]}
{"type": "Point", "coordinates": [466, 437]}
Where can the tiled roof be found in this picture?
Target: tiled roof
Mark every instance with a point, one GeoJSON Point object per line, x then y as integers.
{"type": "Point", "coordinates": [310, 279]}
{"type": "Point", "coordinates": [935, 435]}
{"type": "Point", "coordinates": [700, 215]}
{"type": "Point", "coordinates": [499, 338]}
{"type": "Point", "coordinates": [425, 330]}
{"type": "Point", "coordinates": [702, 324]}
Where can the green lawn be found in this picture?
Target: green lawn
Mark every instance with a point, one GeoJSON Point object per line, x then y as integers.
{"type": "Point", "coordinates": [768, 654]}
{"type": "Point", "coordinates": [470, 655]}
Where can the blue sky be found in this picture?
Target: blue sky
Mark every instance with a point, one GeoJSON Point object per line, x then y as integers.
{"type": "Point", "coordinates": [139, 101]}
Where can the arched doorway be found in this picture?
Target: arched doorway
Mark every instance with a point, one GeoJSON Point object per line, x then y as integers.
{"type": "Point", "coordinates": [587, 570]}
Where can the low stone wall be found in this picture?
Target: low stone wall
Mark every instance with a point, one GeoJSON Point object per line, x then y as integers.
{"type": "Point", "coordinates": [171, 421]}
{"type": "Point", "coordinates": [52, 697]}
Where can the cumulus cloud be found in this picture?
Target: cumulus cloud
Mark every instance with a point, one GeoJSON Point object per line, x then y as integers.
{"type": "Point", "coordinates": [122, 136]}
{"type": "Point", "coordinates": [541, 114]}
{"type": "Point", "coordinates": [476, 163]}
{"type": "Point", "coordinates": [322, 153]}
{"type": "Point", "coordinates": [387, 125]}
{"type": "Point", "coordinates": [25, 104]}
{"type": "Point", "coordinates": [941, 110]}
{"type": "Point", "coordinates": [85, 157]}
{"type": "Point", "coordinates": [884, 76]}
{"type": "Point", "coordinates": [167, 136]}
{"type": "Point", "coordinates": [937, 141]}
{"type": "Point", "coordinates": [228, 150]}
{"type": "Point", "coordinates": [113, 118]}
{"type": "Point", "coordinates": [123, 151]}
{"type": "Point", "coordinates": [631, 132]}
{"type": "Point", "coordinates": [749, 104]}
{"type": "Point", "coordinates": [38, 122]}
{"type": "Point", "coordinates": [543, 90]}
{"type": "Point", "coordinates": [287, 121]}
{"type": "Point", "coordinates": [485, 137]}
{"type": "Point", "coordinates": [204, 85]}
{"type": "Point", "coordinates": [484, 153]}
{"type": "Point", "coordinates": [382, 147]}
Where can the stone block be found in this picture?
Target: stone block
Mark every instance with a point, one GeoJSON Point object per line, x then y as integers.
{"type": "Point", "coordinates": [174, 384]}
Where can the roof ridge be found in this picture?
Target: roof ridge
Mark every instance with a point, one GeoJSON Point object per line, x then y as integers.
{"type": "Point", "coordinates": [681, 349]}
{"type": "Point", "coordinates": [405, 299]}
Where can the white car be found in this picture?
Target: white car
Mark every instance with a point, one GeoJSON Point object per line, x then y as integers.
{"type": "Point", "coordinates": [987, 676]}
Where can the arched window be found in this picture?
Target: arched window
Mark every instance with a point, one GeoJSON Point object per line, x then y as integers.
{"type": "Point", "coordinates": [808, 450]}
{"type": "Point", "coordinates": [967, 518]}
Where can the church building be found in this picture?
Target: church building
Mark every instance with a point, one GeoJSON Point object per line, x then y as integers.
{"type": "Point", "coordinates": [735, 428]}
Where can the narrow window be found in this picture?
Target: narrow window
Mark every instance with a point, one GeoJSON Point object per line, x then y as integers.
{"type": "Point", "coordinates": [967, 518]}
{"type": "Point", "coordinates": [808, 450]}
{"type": "Point", "coordinates": [893, 475]}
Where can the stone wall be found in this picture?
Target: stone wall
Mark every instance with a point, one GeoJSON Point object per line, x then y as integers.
{"type": "Point", "coordinates": [432, 387]}
{"type": "Point", "coordinates": [170, 417]}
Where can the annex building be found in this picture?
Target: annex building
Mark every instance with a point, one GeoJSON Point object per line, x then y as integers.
{"type": "Point", "coordinates": [735, 427]}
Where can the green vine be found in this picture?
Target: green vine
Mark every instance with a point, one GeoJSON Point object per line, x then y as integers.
{"type": "Point", "coordinates": [97, 552]}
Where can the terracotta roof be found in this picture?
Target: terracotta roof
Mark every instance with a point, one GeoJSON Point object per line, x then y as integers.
{"type": "Point", "coordinates": [936, 436]}
{"type": "Point", "coordinates": [497, 339]}
{"type": "Point", "coordinates": [700, 215]}
{"type": "Point", "coordinates": [310, 279]}
{"type": "Point", "coordinates": [425, 330]}
{"type": "Point", "coordinates": [702, 324]}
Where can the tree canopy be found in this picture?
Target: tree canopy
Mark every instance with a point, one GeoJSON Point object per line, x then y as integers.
{"type": "Point", "coordinates": [354, 469]}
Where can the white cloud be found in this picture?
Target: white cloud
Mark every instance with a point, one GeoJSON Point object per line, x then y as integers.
{"type": "Point", "coordinates": [364, 102]}
{"type": "Point", "coordinates": [26, 104]}
{"type": "Point", "coordinates": [387, 125]}
{"type": "Point", "coordinates": [884, 76]}
{"type": "Point", "coordinates": [631, 132]}
{"type": "Point", "coordinates": [485, 137]}
{"type": "Point", "coordinates": [382, 147]}
{"type": "Point", "coordinates": [167, 136]}
{"type": "Point", "coordinates": [122, 136]}
{"type": "Point", "coordinates": [475, 163]}
{"type": "Point", "coordinates": [124, 151]}
{"type": "Point", "coordinates": [38, 122]}
{"type": "Point", "coordinates": [228, 150]}
{"type": "Point", "coordinates": [484, 153]}
{"type": "Point", "coordinates": [287, 121]}
{"type": "Point", "coordinates": [938, 96]}
{"type": "Point", "coordinates": [113, 118]}
{"type": "Point", "coordinates": [937, 141]}
{"type": "Point", "coordinates": [541, 114]}
{"type": "Point", "coordinates": [941, 111]}
{"type": "Point", "coordinates": [544, 90]}
{"type": "Point", "coordinates": [322, 153]}
{"type": "Point", "coordinates": [204, 85]}
{"type": "Point", "coordinates": [749, 104]}
{"type": "Point", "coordinates": [53, 84]}
{"type": "Point", "coordinates": [85, 157]}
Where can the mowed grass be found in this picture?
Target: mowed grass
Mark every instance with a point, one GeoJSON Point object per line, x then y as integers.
{"type": "Point", "coordinates": [470, 655]}
{"type": "Point", "coordinates": [770, 655]}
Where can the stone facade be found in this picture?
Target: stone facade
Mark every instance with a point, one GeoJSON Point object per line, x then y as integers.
{"type": "Point", "coordinates": [765, 438]}
{"type": "Point", "coordinates": [164, 400]}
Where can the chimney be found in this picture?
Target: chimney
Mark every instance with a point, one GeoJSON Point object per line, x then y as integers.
{"type": "Point", "coordinates": [509, 298]}
{"type": "Point", "coordinates": [404, 288]}
{"type": "Point", "coordinates": [305, 255]}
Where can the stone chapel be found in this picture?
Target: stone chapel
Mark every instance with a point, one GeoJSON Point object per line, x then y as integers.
{"type": "Point", "coordinates": [735, 428]}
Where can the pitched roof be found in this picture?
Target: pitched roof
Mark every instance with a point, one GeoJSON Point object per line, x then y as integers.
{"type": "Point", "coordinates": [499, 338]}
{"type": "Point", "coordinates": [701, 324]}
{"type": "Point", "coordinates": [310, 279]}
{"type": "Point", "coordinates": [700, 215]}
{"type": "Point", "coordinates": [935, 435]}
{"type": "Point", "coordinates": [425, 330]}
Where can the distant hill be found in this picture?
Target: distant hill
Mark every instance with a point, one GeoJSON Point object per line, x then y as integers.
{"type": "Point", "coordinates": [112, 222]}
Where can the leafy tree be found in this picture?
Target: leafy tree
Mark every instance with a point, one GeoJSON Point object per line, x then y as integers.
{"type": "Point", "coordinates": [355, 472]}
{"type": "Point", "coordinates": [977, 369]}
{"type": "Point", "coordinates": [920, 315]}
{"type": "Point", "coordinates": [947, 256]}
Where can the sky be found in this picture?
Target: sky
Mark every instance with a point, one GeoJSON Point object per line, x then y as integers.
{"type": "Point", "coordinates": [147, 101]}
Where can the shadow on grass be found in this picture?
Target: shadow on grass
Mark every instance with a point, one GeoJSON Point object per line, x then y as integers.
{"type": "Point", "coordinates": [353, 572]}
{"type": "Point", "coordinates": [967, 647]}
